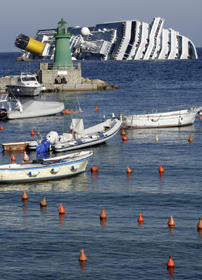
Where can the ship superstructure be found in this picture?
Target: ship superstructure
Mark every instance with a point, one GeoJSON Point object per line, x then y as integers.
{"type": "Point", "coordinates": [122, 40]}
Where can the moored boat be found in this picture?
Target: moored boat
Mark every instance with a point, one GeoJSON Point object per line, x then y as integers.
{"type": "Point", "coordinates": [159, 120]}
{"type": "Point", "coordinates": [45, 169]}
{"type": "Point", "coordinates": [31, 108]}
{"type": "Point", "coordinates": [15, 146]}
{"type": "Point", "coordinates": [27, 85]}
{"type": "Point", "coordinates": [79, 137]}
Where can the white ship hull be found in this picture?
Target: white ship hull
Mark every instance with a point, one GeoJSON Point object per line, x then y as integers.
{"type": "Point", "coordinates": [160, 120]}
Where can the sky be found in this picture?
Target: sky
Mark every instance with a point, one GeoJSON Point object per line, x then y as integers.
{"type": "Point", "coordinates": [27, 17]}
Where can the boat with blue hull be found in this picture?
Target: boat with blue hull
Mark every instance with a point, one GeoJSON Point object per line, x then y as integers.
{"type": "Point", "coordinates": [45, 169]}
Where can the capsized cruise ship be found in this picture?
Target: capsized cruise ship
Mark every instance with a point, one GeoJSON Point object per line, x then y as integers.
{"type": "Point", "coordinates": [122, 40]}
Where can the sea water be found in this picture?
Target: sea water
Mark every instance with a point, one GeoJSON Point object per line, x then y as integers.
{"type": "Point", "coordinates": [39, 243]}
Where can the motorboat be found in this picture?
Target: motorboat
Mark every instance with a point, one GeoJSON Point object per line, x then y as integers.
{"type": "Point", "coordinates": [177, 118]}
{"type": "Point", "coordinates": [31, 108]}
{"type": "Point", "coordinates": [45, 169]}
{"type": "Point", "coordinates": [78, 136]}
{"type": "Point", "coordinates": [26, 85]}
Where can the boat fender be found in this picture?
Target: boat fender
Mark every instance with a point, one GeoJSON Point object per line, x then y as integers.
{"type": "Point", "coordinates": [55, 170]}
{"type": "Point", "coordinates": [75, 167]}
{"type": "Point", "coordinates": [33, 173]}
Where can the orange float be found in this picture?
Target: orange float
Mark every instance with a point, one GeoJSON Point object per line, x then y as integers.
{"type": "Point", "coordinates": [128, 170]}
{"type": "Point", "coordinates": [161, 170]}
{"type": "Point", "coordinates": [123, 132]}
{"type": "Point", "coordinates": [190, 139]}
{"type": "Point", "coordinates": [140, 219]}
{"type": "Point", "coordinates": [103, 215]}
{"type": "Point", "coordinates": [13, 158]}
{"type": "Point", "coordinates": [200, 118]}
{"type": "Point", "coordinates": [96, 109]}
{"type": "Point", "coordinates": [94, 169]}
{"type": "Point", "coordinates": [170, 263]}
{"type": "Point", "coordinates": [43, 202]}
{"type": "Point", "coordinates": [61, 210]}
{"type": "Point", "coordinates": [24, 196]}
{"type": "Point", "coordinates": [25, 158]}
{"type": "Point", "coordinates": [199, 226]}
{"type": "Point", "coordinates": [124, 138]}
{"type": "Point", "coordinates": [1, 127]}
{"type": "Point", "coordinates": [82, 256]}
{"type": "Point", "coordinates": [67, 112]}
{"type": "Point", "coordinates": [32, 132]}
{"type": "Point", "coordinates": [171, 221]}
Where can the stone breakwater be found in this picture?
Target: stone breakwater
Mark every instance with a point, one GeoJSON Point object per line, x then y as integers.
{"type": "Point", "coordinates": [48, 76]}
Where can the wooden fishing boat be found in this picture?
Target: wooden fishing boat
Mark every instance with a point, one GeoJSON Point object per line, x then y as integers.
{"type": "Point", "coordinates": [45, 169]}
{"type": "Point", "coordinates": [15, 146]}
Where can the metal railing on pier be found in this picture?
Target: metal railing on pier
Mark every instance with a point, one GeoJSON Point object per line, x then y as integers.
{"type": "Point", "coordinates": [60, 66]}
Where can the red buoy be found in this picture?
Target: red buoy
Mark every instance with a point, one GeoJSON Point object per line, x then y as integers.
{"type": "Point", "coordinates": [171, 221]}
{"type": "Point", "coordinates": [94, 169]}
{"type": "Point", "coordinates": [199, 226]}
{"type": "Point", "coordinates": [32, 132]}
{"type": "Point", "coordinates": [13, 158]}
{"type": "Point", "coordinates": [123, 132]}
{"type": "Point", "coordinates": [24, 196]}
{"type": "Point", "coordinates": [26, 158]}
{"type": "Point", "coordinates": [103, 215]}
{"type": "Point", "coordinates": [190, 139]}
{"type": "Point", "coordinates": [161, 170]}
{"type": "Point", "coordinates": [170, 263]}
{"type": "Point", "coordinates": [128, 170]}
{"type": "Point", "coordinates": [43, 202]}
{"type": "Point", "coordinates": [1, 127]}
{"type": "Point", "coordinates": [61, 210]}
{"type": "Point", "coordinates": [124, 138]}
{"type": "Point", "coordinates": [82, 256]}
{"type": "Point", "coordinates": [140, 219]}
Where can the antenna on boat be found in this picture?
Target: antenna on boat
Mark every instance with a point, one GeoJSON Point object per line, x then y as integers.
{"type": "Point", "coordinates": [79, 105]}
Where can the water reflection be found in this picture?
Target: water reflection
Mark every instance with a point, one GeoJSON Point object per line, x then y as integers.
{"type": "Point", "coordinates": [78, 182]}
{"type": "Point", "coordinates": [170, 270]}
{"type": "Point", "coordinates": [103, 222]}
{"type": "Point", "coordinates": [82, 264]}
{"type": "Point", "coordinates": [171, 230]}
{"type": "Point", "coordinates": [61, 217]}
{"type": "Point", "coordinates": [161, 181]}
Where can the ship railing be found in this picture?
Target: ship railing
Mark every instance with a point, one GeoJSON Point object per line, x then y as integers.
{"type": "Point", "coordinates": [60, 66]}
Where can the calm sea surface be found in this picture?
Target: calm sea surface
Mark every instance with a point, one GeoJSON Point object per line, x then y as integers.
{"type": "Point", "coordinates": [40, 244]}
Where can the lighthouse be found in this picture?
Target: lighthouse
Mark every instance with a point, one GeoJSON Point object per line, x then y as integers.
{"type": "Point", "coordinates": [62, 58]}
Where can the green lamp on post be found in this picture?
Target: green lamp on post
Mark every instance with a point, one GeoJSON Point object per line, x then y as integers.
{"type": "Point", "coordinates": [62, 58]}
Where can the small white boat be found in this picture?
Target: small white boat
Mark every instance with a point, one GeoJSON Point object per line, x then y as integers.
{"type": "Point", "coordinates": [45, 169]}
{"type": "Point", "coordinates": [27, 85]}
{"type": "Point", "coordinates": [31, 108]}
{"type": "Point", "coordinates": [79, 137]}
{"type": "Point", "coordinates": [167, 119]}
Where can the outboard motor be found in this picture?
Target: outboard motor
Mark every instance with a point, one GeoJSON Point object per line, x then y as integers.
{"type": "Point", "coordinates": [3, 113]}
{"type": "Point", "coordinates": [51, 139]}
